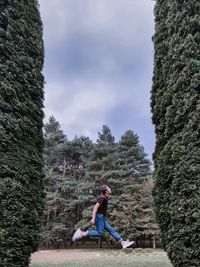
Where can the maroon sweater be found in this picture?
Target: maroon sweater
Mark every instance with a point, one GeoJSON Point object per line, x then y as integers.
{"type": "Point", "coordinates": [103, 201]}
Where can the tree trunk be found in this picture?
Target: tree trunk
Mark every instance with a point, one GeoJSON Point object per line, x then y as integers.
{"type": "Point", "coordinates": [154, 242]}
{"type": "Point", "coordinates": [100, 242]}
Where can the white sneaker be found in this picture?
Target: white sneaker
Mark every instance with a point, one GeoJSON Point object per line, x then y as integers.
{"type": "Point", "coordinates": [126, 243]}
{"type": "Point", "coordinates": [77, 235]}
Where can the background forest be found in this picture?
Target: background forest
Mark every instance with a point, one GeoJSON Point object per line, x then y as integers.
{"type": "Point", "coordinates": [74, 171]}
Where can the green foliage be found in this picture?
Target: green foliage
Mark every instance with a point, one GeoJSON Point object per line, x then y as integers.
{"type": "Point", "coordinates": [21, 115]}
{"type": "Point", "coordinates": [76, 169]}
{"type": "Point", "coordinates": [132, 155]}
{"type": "Point", "coordinates": [133, 216]}
{"type": "Point", "coordinates": [175, 106]}
{"type": "Point", "coordinates": [65, 185]}
{"type": "Point", "coordinates": [100, 170]}
{"type": "Point", "coordinates": [133, 168]}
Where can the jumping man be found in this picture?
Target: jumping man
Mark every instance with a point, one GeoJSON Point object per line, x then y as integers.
{"type": "Point", "coordinates": [99, 219]}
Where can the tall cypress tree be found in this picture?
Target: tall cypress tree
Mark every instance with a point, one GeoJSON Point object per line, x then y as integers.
{"type": "Point", "coordinates": [21, 143]}
{"type": "Point", "coordinates": [175, 106]}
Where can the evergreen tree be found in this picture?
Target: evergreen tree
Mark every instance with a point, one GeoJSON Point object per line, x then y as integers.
{"type": "Point", "coordinates": [76, 169]}
{"type": "Point", "coordinates": [54, 140]}
{"type": "Point", "coordinates": [64, 182]}
{"type": "Point", "coordinates": [134, 217]}
{"type": "Point", "coordinates": [132, 154]}
{"type": "Point", "coordinates": [81, 148]}
{"type": "Point", "coordinates": [144, 220]}
{"type": "Point", "coordinates": [53, 225]}
{"type": "Point", "coordinates": [21, 102]}
{"type": "Point", "coordinates": [134, 168]}
{"type": "Point", "coordinates": [175, 107]}
{"type": "Point", "coordinates": [101, 169]}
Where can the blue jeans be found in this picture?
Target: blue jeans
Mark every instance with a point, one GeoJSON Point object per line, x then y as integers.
{"type": "Point", "coordinates": [101, 225]}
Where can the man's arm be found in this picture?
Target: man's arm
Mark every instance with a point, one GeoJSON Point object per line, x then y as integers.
{"type": "Point", "coordinates": [94, 213]}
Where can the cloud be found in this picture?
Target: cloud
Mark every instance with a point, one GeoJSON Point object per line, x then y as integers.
{"type": "Point", "coordinates": [72, 17]}
{"type": "Point", "coordinates": [98, 64]}
{"type": "Point", "coordinates": [85, 109]}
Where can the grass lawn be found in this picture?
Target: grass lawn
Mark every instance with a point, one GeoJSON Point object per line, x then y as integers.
{"type": "Point", "coordinates": [101, 258]}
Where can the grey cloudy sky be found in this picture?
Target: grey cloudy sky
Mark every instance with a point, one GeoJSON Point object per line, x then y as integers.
{"type": "Point", "coordinates": [98, 66]}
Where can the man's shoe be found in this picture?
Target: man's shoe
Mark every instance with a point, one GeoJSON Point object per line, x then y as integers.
{"type": "Point", "coordinates": [126, 243]}
{"type": "Point", "coordinates": [77, 235]}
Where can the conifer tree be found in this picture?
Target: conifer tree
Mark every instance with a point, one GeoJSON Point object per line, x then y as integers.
{"type": "Point", "coordinates": [81, 149]}
{"type": "Point", "coordinates": [144, 219]}
{"type": "Point", "coordinates": [101, 169]}
{"type": "Point", "coordinates": [76, 169]}
{"type": "Point", "coordinates": [21, 102]}
{"type": "Point", "coordinates": [53, 225]}
{"type": "Point", "coordinates": [54, 140]}
{"type": "Point", "coordinates": [131, 154]}
{"type": "Point", "coordinates": [175, 107]}
{"type": "Point", "coordinates": [134, 168]}
{"type": "Point", "coordinates": [65, 185]}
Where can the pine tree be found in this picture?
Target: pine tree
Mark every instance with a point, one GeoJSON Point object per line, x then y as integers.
{"type": "Point", "coordinates": [134, 168]}
{"type": "Point", "coordinates": [101, 169]}
{"type": "Point", "coordinates": [98, 162]}
{"type": "Point", "coordinates": [55, 139]}
{"type": "Point", "coordinates": [144, 220]}
{"type": "Point", "coordinates": [132, 154]}
{"type": "Point", "coordinates": [21, 102]}
{"type": "Point", "coordinates": [53, 226]}
{"type": "Point", "coordinates": [64, 182]}
{"type": "Point", "coordinates": [81, 148]}
{"type": "Point", "coordinates": [134, 217]}
{"type": "Point", "coordinates": [175, 107]}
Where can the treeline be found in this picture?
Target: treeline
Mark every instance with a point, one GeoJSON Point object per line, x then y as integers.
{"type": "Point", "coordinates": [76, 168]}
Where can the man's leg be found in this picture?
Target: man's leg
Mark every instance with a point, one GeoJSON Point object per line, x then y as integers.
{"type": "Point", "coordinates": [116, 236]}
{"type": "Point", "coordinates": [112, 231]}
{"type": "Point", "coordinates": [99, 222]}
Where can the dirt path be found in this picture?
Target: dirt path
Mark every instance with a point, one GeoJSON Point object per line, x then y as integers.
{"type": "Point", "coordinates": [96, 258]}
{"type": "Point", "coordinates": [57, 256]}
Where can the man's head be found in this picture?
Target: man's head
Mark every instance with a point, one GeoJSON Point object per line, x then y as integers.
{"type": "Point", "coordinates": [105, 190]}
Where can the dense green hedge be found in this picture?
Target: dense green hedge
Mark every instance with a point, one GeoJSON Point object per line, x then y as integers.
{"type": "Point", "coordinates": [21, 142]}
{"type": "Point", "coordinates": [176, 113]}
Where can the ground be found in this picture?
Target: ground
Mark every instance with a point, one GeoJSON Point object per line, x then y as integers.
{"type": "Point", "coordinates": [64, 255]}
{"type": "Point", "coordinates": [100, 257]}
